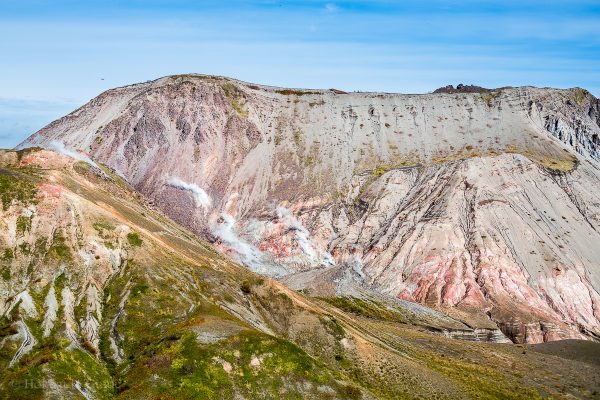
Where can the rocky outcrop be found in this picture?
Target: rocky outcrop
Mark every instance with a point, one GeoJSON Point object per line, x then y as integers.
{"type": "Point", "coordinates": [462, 88]}
{"type": "Point", "coordinates": [482, 204]}
{"type": "Point", "coordinates": [53, 253]}
{"type": "Point", "coordinates": [575, 121]}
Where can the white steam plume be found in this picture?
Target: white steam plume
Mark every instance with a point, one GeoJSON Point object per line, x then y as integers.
{"type": "Point", "coordinates": [303, 236]}
{"type": "Point", "coordinates": [200, 196]}
{"type": "Point", "coordinates": [59, 147]}
{"type": "Point", "coordinates": [245, 252]}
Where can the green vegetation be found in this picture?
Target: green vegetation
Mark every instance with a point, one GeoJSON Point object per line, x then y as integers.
{"type": "Point", "coordinates": [379, 171]}
{"type": "Point", "coordinates": [230, 89]}
{"type": "Point", "coordinates": [580, 95]}
{"type": "Point", "coordinates": [25, 248]}
{"type": "Point", "coordinates": [488, 97]}
{"type": "Point", "coordinates": [297, 135]}
{"type": "Point", "coordinates": [235, 96]}
{"type": "Point", "coordinates": [246, 286]}
{"type": "Point", "coordinates": [557, 163]}
{"type": "Point", "coordinates": [134, 239]}
{"type": "Point", "coordinates": [191, 76]}
{"type": "Point", "coordinates": [310, 160]}
{"type": "Point", "coordinates": [478, 381]}
{"type": "Point", "coordinates": [365, 308]}
{"type": "Point", "coordinates": [8, 254]}
{"type": "Point", "coordinates": [383, 168]}
{"type": "Point", "coordinates": [59, 250]}
{"type": "Point", "coordinates": [250, 364]}
{"type": "Point", "coordinates": [16, 187]}
{"type": "Point", "coordinates": [313, 155]}
{"type": "Point", "coordinates": [178, 340]}
{"type": "Point", "coordinates": [6, 327]}
{"type": "Point", "coordinates": [554, 162]}
{"type": "Point", "coordinates": [75, 364]}
{"type": "Point", "coordinates": [165, 358]}
{"type": "Point", "coordinates": [101, 226]}
{"type": "Point", "coordinates": [82, 167]}
{"type": "Point", "coordinates": [23, 224]}
{"type": "Point", "coordinates": [333, 327]}
{"type": "Point", "coordinates": [139, 289]}
{"type": "Point", "coordinates": [239, 108]}
{"type": "Point", "coordinates": [148, 300]}
{"type": "Point", "coordinates": [292, 92]}
{"type": "Point", "coordinates": [50, 358]}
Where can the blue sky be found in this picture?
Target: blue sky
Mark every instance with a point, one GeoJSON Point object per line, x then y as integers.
{"type": "Point", "coordinates": [56, 55]}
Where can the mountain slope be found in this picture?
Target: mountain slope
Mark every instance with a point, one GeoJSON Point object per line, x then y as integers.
{"type": "Point", "coordinates": [102, 296]}
{"type": "Point", "coordinates": [482, 205]}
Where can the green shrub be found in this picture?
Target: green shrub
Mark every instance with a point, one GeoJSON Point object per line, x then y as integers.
{"type": "Point", "coordinates": [488, 97]}
{"type": "Point", "coordinates": [23, 224]}
{"type": "Point", "coordinates": [59, 249]}
{"type": "Point", "coordinates": [8, 254]}
{"type": "Point", "coordinates": [298, 136]}
{"type": "Point", "coordinates": [366, 308]}
{"type": "Point", "coordinates": [351, 392]}
{"type": "Point", "coordinates": [289, 92]}
{"type": "Point", "coordinates": [103, 225]}
{"type": "Point", "coordinates": [246, 287]}
{"type": "Point", "coordinates": [134, 239]}
{"type": "Point", "coordinates": [15, 188]}
{"type": "Point", "coordinates": [580, 95]}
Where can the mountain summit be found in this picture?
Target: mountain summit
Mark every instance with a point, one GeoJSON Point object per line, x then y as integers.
{"type": "Point", "coordinates": [481, 205]}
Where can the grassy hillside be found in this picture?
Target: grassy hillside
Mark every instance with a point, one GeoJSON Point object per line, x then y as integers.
{"type": "Point", "coordinates": [103, 297]}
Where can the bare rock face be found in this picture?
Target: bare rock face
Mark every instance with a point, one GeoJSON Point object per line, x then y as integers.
{"type": "Point", "coordinates": [482, 205]}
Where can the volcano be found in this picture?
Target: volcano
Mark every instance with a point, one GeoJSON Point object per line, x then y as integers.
{"type": "Point", "coordinates": [481, 204]}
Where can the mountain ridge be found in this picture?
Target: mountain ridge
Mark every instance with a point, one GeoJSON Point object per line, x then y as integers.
{"type": "Point", "coordinates": [413, 196]}
{"type": "Point", "coordinates": [456, 89]}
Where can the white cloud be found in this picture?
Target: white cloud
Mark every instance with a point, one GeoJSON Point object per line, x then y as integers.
{"type": "Point", "coordinates": [331, 8]}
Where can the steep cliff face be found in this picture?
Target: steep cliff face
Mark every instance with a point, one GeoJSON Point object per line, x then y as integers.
{"type": "Point", "coordinates": [483, 205]}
